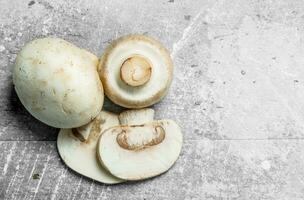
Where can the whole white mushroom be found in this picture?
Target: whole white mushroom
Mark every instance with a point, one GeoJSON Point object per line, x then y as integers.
{"type": "Point", "coordinates": [140, 147]}
{"type": "Point", "coordinates": [58, 83]}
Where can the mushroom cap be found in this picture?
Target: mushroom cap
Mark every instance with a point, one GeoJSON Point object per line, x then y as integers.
{"type": "Point", "coordinates": [81, 156]}
{"type": "Point", "coordinates": [58, 83]}
{"type": "Point", "coordinates": [136, 71]}
{"type": "Point", "coordinates": [140, 151]}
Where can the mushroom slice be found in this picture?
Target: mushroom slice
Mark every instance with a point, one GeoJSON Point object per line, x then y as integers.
{"type": "Point", "coordinates": [136, 71]}
{"type": "Point", "coordinates": [81, 156]}
{"type": "Point", "coordinates": [58, 83]}
{"type": "Point", "coordinates": [140, 151]}
{"type": "Point", "coordinates": [83, 132]}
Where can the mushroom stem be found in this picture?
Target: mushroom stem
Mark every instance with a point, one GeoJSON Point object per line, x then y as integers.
{"type": "Point", "coordinates": [135, 71]}
{"type": "Point", "coordinates": [136, 117]}
{"type": "Point", "coordinates": [140, 137]}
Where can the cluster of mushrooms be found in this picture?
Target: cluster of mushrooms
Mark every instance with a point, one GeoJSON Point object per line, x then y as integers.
{"type": "Point", "coordinates": [63, 86]}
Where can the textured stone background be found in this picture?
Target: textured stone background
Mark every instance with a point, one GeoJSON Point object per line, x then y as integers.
{"type": "Point", "coordinates": [238, 93]}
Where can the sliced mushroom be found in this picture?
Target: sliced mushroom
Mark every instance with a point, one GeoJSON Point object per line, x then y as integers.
{"type": "Point", "coordinates": [81, 155]}
{"type": "Point", "coordinates": [136, 71]}
{"type": "Point", "coordinates": [135, 117]}
{"type": "Point", "coordinates": [83, 132]}
{"type": "Point", "coordinates": [58, 83]}
{"type": "Point", "coordinates": [134, 152]}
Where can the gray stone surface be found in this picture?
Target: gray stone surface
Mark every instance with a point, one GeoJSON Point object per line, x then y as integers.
{"type": "Point", "coordinates": [238, 94]}
{"type": "Point", "coordinates": [207, 169]}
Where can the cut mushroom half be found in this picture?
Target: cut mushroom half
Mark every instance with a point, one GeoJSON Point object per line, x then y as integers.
{"type": "Point", "coordinates": [77, 148]}
{"type": "Point", "coordinates": [136, 71]}
{"type": "Point", "coordinates": [135, 152]}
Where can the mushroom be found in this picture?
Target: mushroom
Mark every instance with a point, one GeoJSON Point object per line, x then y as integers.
{"type": "Point", "coordinates": [58, 83]}
{"type": "Point", "coordinates": [136, 71]}
{"type": "Point", "coordinates": [134, 152]}
{"type": "Point", "coordinates": [135, 117]}
{"type": "Point", "coordinates": [80, 155]}
{"type": "Point", "coordinates": [83, 132]}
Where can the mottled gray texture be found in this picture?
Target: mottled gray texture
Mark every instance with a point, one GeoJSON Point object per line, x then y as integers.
{"type": "Point", "coordinates": [233, 169]}
{"type": "Point", "coordinates": [238, 94]}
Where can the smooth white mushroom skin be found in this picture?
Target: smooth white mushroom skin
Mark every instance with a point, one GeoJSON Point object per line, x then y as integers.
{"type": "Point", "coordinates": [140, 151]}
{"type": "Point", "coordinates": [82, 156]}
{"type": "Point", "coordinates": [136, 71]}
{"type": "Point", "coordinates": [58, 83]}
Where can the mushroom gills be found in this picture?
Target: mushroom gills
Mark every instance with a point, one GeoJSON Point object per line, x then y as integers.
{"type": "Point", "coordinates": [81, 155]}
{"type": "Point", "coordinates": [136, 71]}
{"type": "Point", "coordinates": [138, 137]}
{"type": "Point", "coordinates": [83, 132]}
{"type": "Point", "coordinates": [137, 152]}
